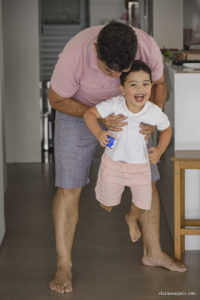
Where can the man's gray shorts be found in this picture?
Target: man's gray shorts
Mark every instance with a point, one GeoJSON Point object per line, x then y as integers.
{"type": "Point", "coordinates": [74, 148]}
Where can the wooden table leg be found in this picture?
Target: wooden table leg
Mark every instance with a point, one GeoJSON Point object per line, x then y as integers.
{"type": "Point", "coordinates": [182, 208]}
{"type": "Point", "coordinates": [177, 210]}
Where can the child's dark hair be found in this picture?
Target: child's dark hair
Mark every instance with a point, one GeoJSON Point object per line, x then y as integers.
{"type": "Point", "coordinates": [117, 46]}
{"type": "Point", "coordinates": [137, 65]}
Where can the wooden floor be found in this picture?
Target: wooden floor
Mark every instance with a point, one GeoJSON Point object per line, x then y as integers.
{"type": "Point", "coordinates": [106, 264]}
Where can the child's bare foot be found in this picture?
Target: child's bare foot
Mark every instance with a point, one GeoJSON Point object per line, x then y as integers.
{"type": "Point", "coordinates": [107, 208]}
{"type": "Point", "coordinates": [134, 230]}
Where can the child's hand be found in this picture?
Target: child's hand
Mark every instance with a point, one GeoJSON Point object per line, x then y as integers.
{"type": "Point", "coordinates": [102, 137]}
{"type": "Point", "coordinates": [154, 155]}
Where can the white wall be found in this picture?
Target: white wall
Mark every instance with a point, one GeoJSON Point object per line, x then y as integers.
{"type": "Point", "coordinates": [103, 10]}
{"type": "Point", "coordinates": [2, 222]}
{"type": "Point", "coordinates": [21, 53]}
{"type": "Point", "coordinates": [168, 23]}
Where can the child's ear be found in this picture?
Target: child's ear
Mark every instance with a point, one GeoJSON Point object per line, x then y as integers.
{"type": "Point", "coordinates": [122, 89]}
{"type": "Point", "coordinates": [95, 46]}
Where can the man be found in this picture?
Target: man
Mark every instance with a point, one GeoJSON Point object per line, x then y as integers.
{"type": "Point", "coordinates": [87, 73]}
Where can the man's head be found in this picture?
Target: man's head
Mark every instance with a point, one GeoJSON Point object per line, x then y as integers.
{"type": "Point", "coordinates": [116, 47]}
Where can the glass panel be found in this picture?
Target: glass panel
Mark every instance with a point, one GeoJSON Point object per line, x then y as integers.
{"type": "Point", "coordinates": [60, 12]}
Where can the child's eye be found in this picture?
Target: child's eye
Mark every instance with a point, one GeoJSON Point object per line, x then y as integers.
{"type": "Point", "coordinates": [133, 84]}
{"type": "Point", "coordinates": [146, 84]}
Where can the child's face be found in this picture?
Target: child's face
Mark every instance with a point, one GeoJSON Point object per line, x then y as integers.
{"type": "Point", "coordinates": [136, 90]}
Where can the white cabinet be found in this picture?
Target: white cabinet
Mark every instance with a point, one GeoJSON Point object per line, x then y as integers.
{"type": "Point", "coordinates": [184, 108]}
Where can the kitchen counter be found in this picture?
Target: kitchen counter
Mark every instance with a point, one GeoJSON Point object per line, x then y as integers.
{"type": "Point", "coordinates": [181, 69]}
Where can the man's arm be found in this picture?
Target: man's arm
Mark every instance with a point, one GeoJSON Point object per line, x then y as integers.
{"type": "Point", "coordinates": [74, 108]}
{"type": "Point", "coordinates": [66, 105]}
{"type": "Point", "coordinates": [159, 92]}
{"type": "Point", "coordinates": [158, 96]}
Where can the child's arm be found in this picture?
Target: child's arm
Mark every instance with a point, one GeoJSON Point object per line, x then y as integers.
{"type": "Point", "coordinates": [91, 116]}
{"type": "Point", "coordinates": [156, 152]}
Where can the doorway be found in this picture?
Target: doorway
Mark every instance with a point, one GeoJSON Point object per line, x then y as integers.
{"type": "Point", "coordinates": [60, 20]}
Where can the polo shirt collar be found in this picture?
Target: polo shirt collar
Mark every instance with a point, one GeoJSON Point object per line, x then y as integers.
{"type": "Point", "coordinates": [92, 56]}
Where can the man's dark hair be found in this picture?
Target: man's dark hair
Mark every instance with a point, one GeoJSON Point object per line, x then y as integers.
{"type": "Point", "coordinates": [137, 65]}
{"type": "Point", "coordinates": [117, 46]}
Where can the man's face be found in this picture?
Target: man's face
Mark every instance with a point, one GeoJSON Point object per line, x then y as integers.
{"type": "Point", "coordinates": [106, 70]}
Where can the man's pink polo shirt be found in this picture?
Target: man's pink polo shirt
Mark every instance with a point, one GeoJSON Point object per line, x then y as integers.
{"type": "Point", "coordinates": [77, 75]}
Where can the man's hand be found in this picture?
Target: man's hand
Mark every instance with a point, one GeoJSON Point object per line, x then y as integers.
{"type": "Point", "coordinates": [114, 122]}
{"type": "Point", "coordinates": [154, 155]}
{"type": "Point", "coordinates": [147, 130]}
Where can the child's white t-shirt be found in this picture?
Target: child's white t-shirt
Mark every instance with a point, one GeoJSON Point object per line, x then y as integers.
{"type": "Point", "coordinates": [130, 145]}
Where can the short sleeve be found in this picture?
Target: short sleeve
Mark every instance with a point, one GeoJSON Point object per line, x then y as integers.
{"type": "Point", "coordinates": [105, 108]}
{"type": "Point", "coordinates": [149, 52]}
{"type": "Point", "coordinates": [64, 80]}
{"type": "Point", "coordinates": [155, 61]}
{"type": "Point", "coordinates": [163, 122]}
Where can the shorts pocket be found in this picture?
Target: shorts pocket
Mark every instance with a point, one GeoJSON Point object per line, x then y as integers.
{"type": "Point", "coordinates": [143, 174]}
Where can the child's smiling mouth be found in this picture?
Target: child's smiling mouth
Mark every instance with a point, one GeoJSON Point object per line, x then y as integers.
{"type": "Point", "coordinates": [139, 98]}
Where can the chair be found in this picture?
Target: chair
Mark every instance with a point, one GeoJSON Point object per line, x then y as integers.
{"type": "Point", "coordinates": [183, 159]}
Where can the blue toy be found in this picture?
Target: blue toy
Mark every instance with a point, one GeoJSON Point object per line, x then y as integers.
{"type": "Point", "coordinates": [111, 141]}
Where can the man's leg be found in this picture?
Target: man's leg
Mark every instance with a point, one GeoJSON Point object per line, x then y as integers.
{"type": "Point", "coordinates": [150, 223]}
{"type": "Point", "coordinates": [65, 215]}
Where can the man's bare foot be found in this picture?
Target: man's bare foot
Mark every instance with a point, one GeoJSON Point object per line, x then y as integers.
{"type": "Point", "coordinates": [165, 261]}
{"type": "Point", "coordinates": [62, 282]}
{"type": "Point", "coordinates": [134, 230]}
{"type": "Point", "coordinates": [107, 208]}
